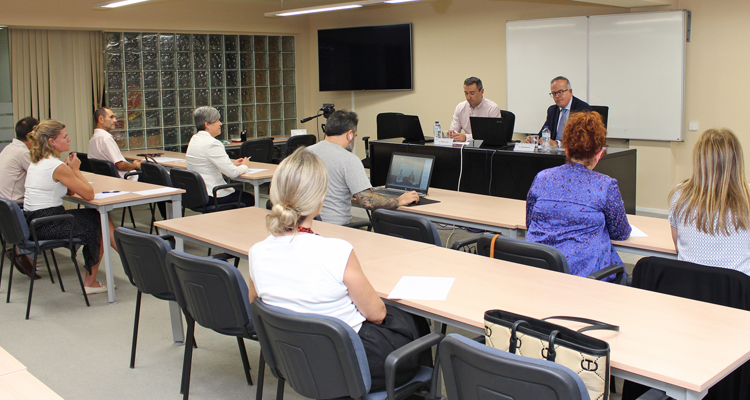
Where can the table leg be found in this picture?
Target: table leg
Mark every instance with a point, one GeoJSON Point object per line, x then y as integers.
{"type": "Point", "coordinates": [256, 189]}
{"type": "Point", "coordinates": [104, 218]}
{"type": "Point", "coordinates": [175, 314]}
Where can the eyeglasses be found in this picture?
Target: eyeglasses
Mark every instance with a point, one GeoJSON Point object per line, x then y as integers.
{"type": "Point", "coordinates": [558, 93]}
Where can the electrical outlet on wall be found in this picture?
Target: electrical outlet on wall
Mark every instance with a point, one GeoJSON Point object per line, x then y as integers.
{"type": "Point", "coordinates": [693, 126]}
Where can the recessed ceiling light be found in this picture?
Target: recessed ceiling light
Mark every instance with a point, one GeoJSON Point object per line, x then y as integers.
{"type": "Point", "coordinates": [115, 4]}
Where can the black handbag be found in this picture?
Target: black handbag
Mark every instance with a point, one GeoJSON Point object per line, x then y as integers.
{"type": "Point", "coordinates": [586, 356]}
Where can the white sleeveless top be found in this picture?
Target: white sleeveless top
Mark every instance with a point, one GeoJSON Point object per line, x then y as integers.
{"type": "Point", "coordinates": [41, 189]}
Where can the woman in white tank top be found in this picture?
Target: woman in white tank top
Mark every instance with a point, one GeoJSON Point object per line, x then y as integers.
{"type": "Point", "coordinates": [48, 180]}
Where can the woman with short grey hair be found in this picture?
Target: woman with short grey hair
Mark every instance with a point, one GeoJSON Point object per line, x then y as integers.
{"type": "Point", "coordinates": [207, 156]}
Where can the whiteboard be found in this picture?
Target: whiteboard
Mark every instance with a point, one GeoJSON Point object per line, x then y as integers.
{"type": "Point", "coordinates": [633, 63]}
{"type": "Point", "coordinates": [537, 51]}
{"type": "Point", "coordinates": [637, 68]}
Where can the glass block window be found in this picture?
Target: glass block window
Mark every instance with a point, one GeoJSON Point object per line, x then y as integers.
{"type": "Point", "coordinates": [154, 81]}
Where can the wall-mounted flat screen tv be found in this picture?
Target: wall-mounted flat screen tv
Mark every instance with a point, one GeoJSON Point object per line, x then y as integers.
{"type": "Point", "coordinates": [365, 58]}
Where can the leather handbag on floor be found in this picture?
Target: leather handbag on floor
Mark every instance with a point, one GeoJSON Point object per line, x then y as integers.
{"type": "Point", "coordinates": [530, 337]}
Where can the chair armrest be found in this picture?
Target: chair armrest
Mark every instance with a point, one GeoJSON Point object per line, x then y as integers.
{"type": "Point", "coordinates": [605, 272]}
{"type": "Point", "coordinates": [458, 244]}
{"type": "Point", "coordinates": [360, 224]}
{"type": "Point", "coordinates": [236, 186]}
{"type": "Point", "coordinates": [402, 353]}
{"type": "Point", "coordinates": [366, 139]}
{"type": "Point", "coordinates": [133, 172]}
{"type": "Point", "coordinates": [44, 220]}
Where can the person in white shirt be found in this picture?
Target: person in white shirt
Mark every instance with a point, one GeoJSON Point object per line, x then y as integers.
{"type": "Point", "coordinates": [207, 156]}
{"type": "Point", "coordinates": [14, 162]}
{"type": "Point", "coordinates": [48, 180]}
{"type": "Point", "coordinates": [299, 270]}
{"type": "Point", "coordinates": [102, 145]}
{"type": "Point", "coordinates": [476, 105]}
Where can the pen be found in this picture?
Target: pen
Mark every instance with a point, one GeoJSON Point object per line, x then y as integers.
{"type": "Point", "coordinates": [112, 191]}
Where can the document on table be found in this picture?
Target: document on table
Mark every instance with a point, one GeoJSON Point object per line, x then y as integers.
{"type": "Point", "coordinates": [635, 232]}
{"type": "Point", "coordinates": [422, 288]}
{"type": "Point", "coordinates": [104, 195]}
{"type": "Point", "coordinates": [156, 191]}
{"type": "Point", "coordinates": [255, 170]}
{"type": "Point", "coordinates": [168, 159]}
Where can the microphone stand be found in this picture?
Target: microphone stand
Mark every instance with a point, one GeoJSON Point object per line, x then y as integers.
{"type": "Point", "coordinates": [302, 121]}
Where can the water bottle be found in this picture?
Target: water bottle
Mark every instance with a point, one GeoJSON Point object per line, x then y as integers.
{"type": "Point", "coordinates": [545, 139]}
{"type": "Point", "coordinates": [437, 130]}
{"type": "Point", "coordinates": [243, 135]}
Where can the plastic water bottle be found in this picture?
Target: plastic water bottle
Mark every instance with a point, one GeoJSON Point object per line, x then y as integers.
{"type": "Point", "coordinates": [437, 130]}
{"type": "Point", "coordinates": [243, 135]}
{"type": "Point", "coordinates": [545, 139]}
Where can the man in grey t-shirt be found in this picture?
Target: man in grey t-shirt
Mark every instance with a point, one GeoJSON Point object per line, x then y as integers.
{"type": "Point", "coordinates": [346, 175]}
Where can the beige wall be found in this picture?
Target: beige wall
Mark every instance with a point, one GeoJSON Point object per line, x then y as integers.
{"type": "Point", "coordinates": [453, 39]}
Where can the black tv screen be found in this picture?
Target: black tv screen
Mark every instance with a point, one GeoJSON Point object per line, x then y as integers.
{"type": "Point", "coordinates": [365, 58]}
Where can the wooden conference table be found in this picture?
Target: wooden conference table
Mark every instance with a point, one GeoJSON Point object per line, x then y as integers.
{"type": "Point", "coordinates": [255, 178]}
{"type": "Point", "coordinates": [131, 193]}
{"type": "Point", "coordinates": [277, 141]}
{"type": "Point", "coordinates": [16, 383]}
{"type": "Point", "coordinates": [661, 342]}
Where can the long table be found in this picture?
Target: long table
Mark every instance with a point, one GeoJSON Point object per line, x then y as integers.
{"type": "Point", "coordinates": [661, 342]}
{"type": "Point", "coordinates": [16, 383]}
{"type": "Point", "coordinates": [256, 179]}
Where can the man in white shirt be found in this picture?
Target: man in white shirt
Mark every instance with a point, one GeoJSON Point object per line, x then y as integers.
{"type": "Point", "coordinates": [102, 145]}
{"type": "Point", "coordinates": [346, 175]}
{"type": "Point", "coordinates": [14, 162]}
{"type": "Point", "coordinates": [474, 106]}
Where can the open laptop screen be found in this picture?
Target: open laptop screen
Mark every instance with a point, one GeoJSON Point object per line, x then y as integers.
{"type": "Point", "coordinates": [410, 172]}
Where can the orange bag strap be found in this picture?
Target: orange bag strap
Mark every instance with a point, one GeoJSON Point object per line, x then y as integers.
{"type": "Point", "coordinates": [492, 246]}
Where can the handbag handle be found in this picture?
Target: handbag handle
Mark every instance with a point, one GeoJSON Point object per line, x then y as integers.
{"type": "Point", "coordinates": [492, 246]}
{"type": "Point", "coordinates": [595, 325]}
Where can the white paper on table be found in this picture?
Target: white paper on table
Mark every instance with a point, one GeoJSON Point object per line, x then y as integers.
{"type": "Point", "coordinates": [168, 159]}
{"type": "Point", "coordinates": [635, 232]}
{"type": "Point", "coordinates": [422, 288]}
{"type": "Point", "coordinates": [156, 191]}
{"type": "Point", "coordinates": [255, 170]}
{"type": "Point", "coordinates": [100, 196]}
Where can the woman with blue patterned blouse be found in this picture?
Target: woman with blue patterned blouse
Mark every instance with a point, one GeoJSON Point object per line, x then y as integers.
{"type": "Point", "coordinates": [573, 208]}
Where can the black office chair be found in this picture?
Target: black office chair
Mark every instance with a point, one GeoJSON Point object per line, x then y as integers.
{"type": "Point", "coordinates": [604, 111]}
{"type": "Point", "coordinates": [537, 255]}
{"type": "Point", "coordinates": [509, 123]}
{"type": "Point", "coordinates": [258, 150]}
{"type": "Point", "coordinates": [323, 358]}
{"type": "Point", "coordinates": [214, 294]}
{"type": "Point", "coordinates": [474, 371]}
{"type": "Point", "coordinates": [295, 142]}
{"type": "Point", "coordinates": [196, 198]}
{"type": "Point", "coordinates": [85, 166]}
{"type": "Point", "coordinates": [722, 286]}
{"type": "Point", "coordinates": [387, 128]}
{"type": "Point", "coordinates": [405, 225]}
{"type": "Point", "coordinates": [16, 232]}
{"type": "Point", "coordinates": [107, 168]}
{"type": "Point", "coordinates": [157, 175]}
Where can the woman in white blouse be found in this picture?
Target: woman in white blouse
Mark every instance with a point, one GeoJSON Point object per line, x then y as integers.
{"type": "Point", "coordinates": [207, 156]}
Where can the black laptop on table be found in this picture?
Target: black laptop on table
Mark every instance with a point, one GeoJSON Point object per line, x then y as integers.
{"type": "Point", "coordinates": [490, 131]}
{"type": "Point", "coordinates": [409, 172]}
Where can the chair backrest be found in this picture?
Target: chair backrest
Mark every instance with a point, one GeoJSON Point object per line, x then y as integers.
{"type": "Point", "coordinates": [387, 125]}
{"type": "Point", "coordinates": [295, 142]}
{"type": "Point", "coordinates": [103, 167]}
{"type": "Point", "coordinates": [405, 225]}
{"type": "Point", "coordinates": [475, 371]}
{"type": "Point", "coordinates": [85, 165]}
{"type": "Point", "coordinates": [143, 258]}
{"type": "Point", "coordinates": [523, 252]}
{"type": "Point", "coordinates": [13, 225]}
{"type": "Point", "coordinates": [604, 111]}
{"type": "Point", "coordinates": [321, 357]}
{"type": "Point", "coordinates": [259, 150]}
{"type": "Point", "coordinates": [213, 292]}
{"type": "Point", "coordinates": [155, 174]}
{"type": "Point", "coordinates": [509, 123]}
{"type": "Point", "coordinates": [195, 196]}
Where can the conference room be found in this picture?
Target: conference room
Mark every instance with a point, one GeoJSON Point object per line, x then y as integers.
{"type": "Point", "coordinates": [452, 40]}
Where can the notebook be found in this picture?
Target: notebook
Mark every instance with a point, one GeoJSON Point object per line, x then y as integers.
{"type": "Point", "coordinates": [408, 172]}
{"type": "Point", "coordinates": [489, 130]}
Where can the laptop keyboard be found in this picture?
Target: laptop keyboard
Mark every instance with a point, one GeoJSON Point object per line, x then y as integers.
{"type": "Point", "coordinates": [389, 192]}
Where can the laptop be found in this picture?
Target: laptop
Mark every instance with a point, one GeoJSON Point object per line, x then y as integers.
{"type": "Point", "coordinates": [411, 129]}
{"type": "Point", "coordinates": [408, 172]}
{"type": "Point", "coordinates": [490, 131]}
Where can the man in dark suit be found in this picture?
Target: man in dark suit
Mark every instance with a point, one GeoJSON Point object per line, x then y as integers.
{"type": "Point", "coordinates": [565, 104]}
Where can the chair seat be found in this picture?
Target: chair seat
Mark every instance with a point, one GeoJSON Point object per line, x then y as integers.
{"type": "Point", "coordinates": [222, 207]}
{"type": "Point", "coordinates": [48, 244]}
{"type": "Point", "coordinates": [423, 375]}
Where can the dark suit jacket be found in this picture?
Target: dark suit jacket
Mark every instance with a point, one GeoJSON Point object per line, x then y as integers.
{"type": "Point", "coordinates": [553, 115]}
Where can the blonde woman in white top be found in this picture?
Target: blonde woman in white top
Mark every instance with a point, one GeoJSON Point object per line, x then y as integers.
{"type": "Point", "coordinates": [295, 268]}
{"type": "Point", "coordinates": [207, 156]}
{"type": "Point", "coordinates": [48, 180]}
